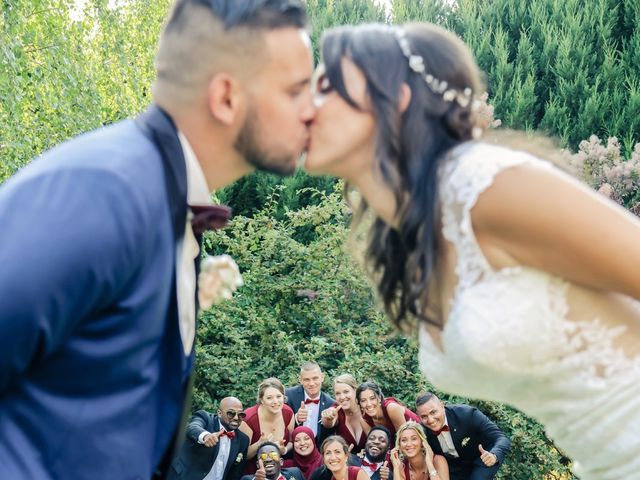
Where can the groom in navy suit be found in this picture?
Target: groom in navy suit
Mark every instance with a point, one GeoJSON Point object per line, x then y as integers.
{"type": "Point", "coordinates": [97, 252]}
{"type": "Point", "coordinates": [473, 445]}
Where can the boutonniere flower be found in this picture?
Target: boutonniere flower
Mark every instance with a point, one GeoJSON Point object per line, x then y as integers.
{"type": "Point", "coordinates": [219, 277]}
{"type": "Point", "coordinates": [239, 458]}
{"type": "Point", "coordinates": [465, 440]}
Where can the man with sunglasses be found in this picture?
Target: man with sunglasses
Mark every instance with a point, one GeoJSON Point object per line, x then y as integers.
{"type": "Point", "coordinates": [269, 462]}
{"type": "Point", "coordinates": [215, 449]}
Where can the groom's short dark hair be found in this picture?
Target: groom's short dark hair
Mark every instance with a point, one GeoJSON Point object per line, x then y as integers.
{"type": "Point", "coordinates": [267, 14]}
{"type": "Point", "coordinates": [204, 37]}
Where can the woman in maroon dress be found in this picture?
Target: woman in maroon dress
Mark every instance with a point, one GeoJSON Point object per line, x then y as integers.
{"type": "Point", "coordinates": [335, 453]}
{"type": "Point", "coordinates": [345, 414]}
{"type": "Point", "coordinates": [270, 419]}
{"type": "Point", "coordinates": [378, 410]}
{"type": "Point", "coordinates": [306, 455]}
{"type": "Point", "coordinates": [412, 457]}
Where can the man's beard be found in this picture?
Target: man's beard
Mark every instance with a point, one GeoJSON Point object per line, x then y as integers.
{"type": "Point", "coordinates": [248, 145]}
{"type": "Point", "coordinates": [376, 459]}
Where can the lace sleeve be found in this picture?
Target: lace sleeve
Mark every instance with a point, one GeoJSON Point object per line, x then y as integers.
{"type": "Point", "coordinates": [471, 170]}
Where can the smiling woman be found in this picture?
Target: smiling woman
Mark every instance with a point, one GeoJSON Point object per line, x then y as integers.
{"type": "Point", "coordinates": [306, 455]}
{"type": "Point", "coordinates": [335, 453]}
{"type": "Point", "coordinates": [378, 410]}
{"type": "Point", "coordinates": [269, 420]}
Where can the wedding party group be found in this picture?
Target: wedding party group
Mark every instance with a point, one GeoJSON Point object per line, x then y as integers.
{"type": "Point", "coordinates": [304, 433]}
{"type": "Point", "coordinates": [521, 283]}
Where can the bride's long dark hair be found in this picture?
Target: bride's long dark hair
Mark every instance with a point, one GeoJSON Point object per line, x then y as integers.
{"type": "Point", "coordinates": [410, 147]}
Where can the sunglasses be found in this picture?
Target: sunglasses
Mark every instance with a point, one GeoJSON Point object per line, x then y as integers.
{"type": "Point", "coordinates": [272, 455]}
{"type": "Point", "coordinates": [233, 414]}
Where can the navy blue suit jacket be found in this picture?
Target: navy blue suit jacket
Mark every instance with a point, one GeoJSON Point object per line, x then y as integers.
{"type": "Point", "coordinates": [295, 395]}
{"type": "Point", "coordinates": [92, 372]}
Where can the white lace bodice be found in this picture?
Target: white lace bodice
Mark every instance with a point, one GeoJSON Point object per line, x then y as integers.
{"type": "Point", "coordinates": [521, 336]}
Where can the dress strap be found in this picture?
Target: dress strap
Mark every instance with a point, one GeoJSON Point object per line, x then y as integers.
{"type": "Point", "coordinates": [468, 172]}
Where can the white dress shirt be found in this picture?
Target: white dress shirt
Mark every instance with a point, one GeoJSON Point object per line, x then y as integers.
{"type": "Point", "coordinates": [187, 249]}
{"type": "Point", "coordinates": [446, 442]}
{"type": "Point", "coordinates": [313, 414]}
{"type": "Point", "coordinates": [220, 463]}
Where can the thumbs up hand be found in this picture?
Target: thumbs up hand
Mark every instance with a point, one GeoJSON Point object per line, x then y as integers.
{"type": "Point", "coordinates": [488, 458]}
{"type": "Point", "coordinates": [302, 414]}
{"type": "Point", "coordinates": [384, 471]}
{"type": "Point", "coordinates": [211, 439]}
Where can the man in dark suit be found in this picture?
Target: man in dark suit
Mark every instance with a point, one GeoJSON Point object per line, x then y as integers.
{"type": "Point", "coordinates": [97, 252]}
{"type": "Point", "coordinates": [375, 461]}
{"type": "Point", "coordinates": [269, 463]}
{"type": "Point", "coordinates": [473, 445]}
{"type": "Point", "coordinates": [308, 401]}
{"type": "Point", "coordinates": [215, 449]}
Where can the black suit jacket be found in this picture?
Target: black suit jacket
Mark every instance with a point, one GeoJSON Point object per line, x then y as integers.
{"type": "Point", "coordinates": [295, 395]}
{"type": "Point", "coordinates": [293, 473]}
{"type": "Point", "coordinates": [195, 459]}
{"type": "Point", "coordinates": [471, 427]}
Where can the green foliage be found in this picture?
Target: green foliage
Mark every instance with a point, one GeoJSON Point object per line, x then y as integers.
{"type": "Point", "coordinates": [60, 77]}
{"type": "Point", "coordinates": [563, 67]}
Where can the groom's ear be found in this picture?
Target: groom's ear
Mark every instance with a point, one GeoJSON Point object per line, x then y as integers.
{"type": "Point", "coordinates": [404, 97]}
{"type": "Point", "coordinates": [225, 98]}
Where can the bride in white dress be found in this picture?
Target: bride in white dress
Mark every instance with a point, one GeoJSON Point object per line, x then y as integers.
{"type": "Point", "coordinates": [524, 283]}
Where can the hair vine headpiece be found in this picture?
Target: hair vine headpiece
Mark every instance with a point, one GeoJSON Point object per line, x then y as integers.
{"type": "Point", "coordinates": [439, 87]}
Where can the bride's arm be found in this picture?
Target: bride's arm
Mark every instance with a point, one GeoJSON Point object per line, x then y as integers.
{"type": "Point", "coordinates": [545, 219]}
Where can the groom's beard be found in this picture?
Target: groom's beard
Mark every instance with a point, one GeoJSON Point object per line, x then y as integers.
{"type": "Point", "coordinates": [250, 145]}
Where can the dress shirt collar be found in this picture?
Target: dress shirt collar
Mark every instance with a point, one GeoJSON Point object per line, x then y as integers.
{"type": "Point", "coordinates": [197, 189]}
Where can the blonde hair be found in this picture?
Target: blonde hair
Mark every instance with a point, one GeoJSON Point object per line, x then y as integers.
{"type": "Point", "coordinates": [410, 425]}
{"type": "Point", "coordinates": [347, 379]}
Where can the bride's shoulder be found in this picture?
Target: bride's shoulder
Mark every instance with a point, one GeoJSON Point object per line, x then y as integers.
{"type": "Point", "coordinates": [471, 167]}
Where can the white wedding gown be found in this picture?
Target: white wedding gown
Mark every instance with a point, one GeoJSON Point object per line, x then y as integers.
{"type": "Point", "coordinates": [522, 337]}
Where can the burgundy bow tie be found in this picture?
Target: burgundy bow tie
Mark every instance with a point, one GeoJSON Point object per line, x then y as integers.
{"type": "Point", "coordinates": [443, 429]}
{"type": "Point", "coordinates": [231, 435]}
{"type": "Point", "coordinates": [372, 466]}
{"type": "Point", "coordinates": [308, 400]}
{"type": "Point", "coordinates": [209, 217]}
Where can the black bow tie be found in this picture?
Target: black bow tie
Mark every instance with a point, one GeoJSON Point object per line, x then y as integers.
{"type": "Point", "coordinates": [209, 217]}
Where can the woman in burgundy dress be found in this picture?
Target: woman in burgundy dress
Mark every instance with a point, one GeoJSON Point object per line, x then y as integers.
{"type": "Point", "coordinates": [378, 410]}
{"type": "Point", "coordinates": [335, 453]}
{"type": "Point", "coordinates": [413, 459]}
{"type": "Point", "coordinates": [306, 455]}
{"type": "Point", "coordinates": [270, 419]}
{"type": "Point", "coordinates": [345, 415]}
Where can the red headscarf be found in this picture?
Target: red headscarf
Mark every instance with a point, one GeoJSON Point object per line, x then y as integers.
{"type": "Point", "coordinates": [307, 464]}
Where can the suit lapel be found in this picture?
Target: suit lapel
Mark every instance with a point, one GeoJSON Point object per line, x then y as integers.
{"type": "Point", "coordinates": [161, 130]}
{"type": "Point", "coordinates": [456, 429]}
